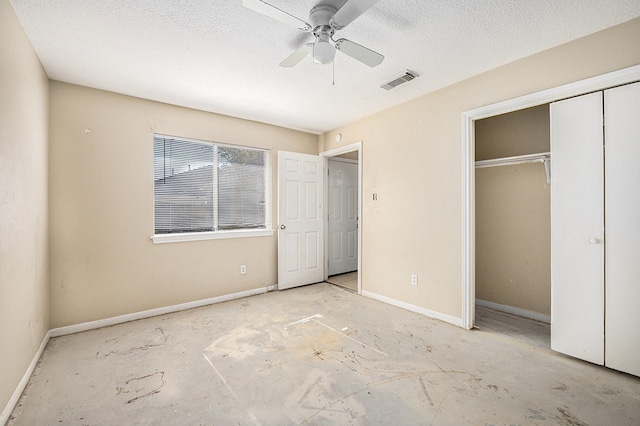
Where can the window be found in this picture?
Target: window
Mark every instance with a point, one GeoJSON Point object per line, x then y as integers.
{"type": "Point", "coordinates": [207, 190]}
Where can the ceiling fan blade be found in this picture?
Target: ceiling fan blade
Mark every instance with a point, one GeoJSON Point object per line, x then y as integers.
{"type": "Point", "coordinates": [350, 11]}
{"type": "Point", "coordinates": [275, 13]}
{"type": "Point", "coordinates": [359, 52]}
{"type": "Point", "coordinates": [296, 56]}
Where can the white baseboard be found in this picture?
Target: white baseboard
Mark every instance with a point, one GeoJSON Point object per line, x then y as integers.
{"type": "Point", "coordinates": [11, 404]}
{"type": "Point", "coordinates": [92, 325]}
{"type": "Point", "coordinates": [413, 308]}
{"type": "Point", "coordinates": [515, 311]}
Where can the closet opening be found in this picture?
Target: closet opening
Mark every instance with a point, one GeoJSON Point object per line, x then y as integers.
{"type": "Point", "coordinates": [512, 224]}
{"type": "Point", "coordinates": [621, 89]}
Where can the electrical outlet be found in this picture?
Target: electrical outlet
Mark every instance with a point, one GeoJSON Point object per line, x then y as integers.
{"type": "Point", "coordinates": [243, 269]}
{"type": "Point", "coordinates": [414, 279]}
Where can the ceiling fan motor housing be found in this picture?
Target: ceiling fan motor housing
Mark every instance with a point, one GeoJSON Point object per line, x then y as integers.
{"type": "Point", "coordinates": [320, 18]}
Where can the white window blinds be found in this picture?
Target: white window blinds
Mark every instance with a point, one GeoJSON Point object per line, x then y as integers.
{"type": "Point", "coordinates": [205, 187]}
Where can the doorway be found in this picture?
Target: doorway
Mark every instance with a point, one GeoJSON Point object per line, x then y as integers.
{"type": "Point", "coordinates": [343, 198]}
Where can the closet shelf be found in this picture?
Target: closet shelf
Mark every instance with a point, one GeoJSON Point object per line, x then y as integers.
{"type": "Point", "coordinates": [542, 157]}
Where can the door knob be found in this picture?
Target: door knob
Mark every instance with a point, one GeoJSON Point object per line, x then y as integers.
{"type": "Point", "coordinates": [594, 240]}
{"type": "Point", "coordinates": [283, 226]}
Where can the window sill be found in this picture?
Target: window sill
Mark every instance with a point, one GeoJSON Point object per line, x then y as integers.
{"type": "Point", "coordinates": [217, 235]}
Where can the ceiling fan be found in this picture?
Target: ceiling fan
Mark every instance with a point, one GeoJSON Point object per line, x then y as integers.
{"type": "Point", "coordinates": [325, 21]}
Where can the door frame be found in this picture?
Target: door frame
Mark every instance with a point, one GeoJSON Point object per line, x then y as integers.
{"type": "Point", "coordinates": [328, 205]}
{"type": "Point", "coordinates": [356, 146]}
{"type": "Point", "coordinates": [581, 87]}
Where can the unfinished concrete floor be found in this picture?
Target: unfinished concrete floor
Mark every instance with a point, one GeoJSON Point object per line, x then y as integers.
{"type": "Point", "coordinates": [318, 355]}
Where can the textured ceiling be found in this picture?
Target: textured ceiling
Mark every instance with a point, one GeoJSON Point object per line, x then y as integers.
{"type": "Point", "coordinates": [216, 55]}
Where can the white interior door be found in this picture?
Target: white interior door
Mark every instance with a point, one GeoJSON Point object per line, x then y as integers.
{"type": "Point", "coordinates": [300, 219]}
{"type": "Point", "coordinates": [622, 209]}
{"type": "Point", "coordinates": [343, 217]}
{"type": "Point", "coordinates": [577, 228]}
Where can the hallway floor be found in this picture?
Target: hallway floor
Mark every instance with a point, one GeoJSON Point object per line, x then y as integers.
{"type": "Point", "coordinates": [348, 280]}
{"type": "Point", "coordinates": [319, 355]}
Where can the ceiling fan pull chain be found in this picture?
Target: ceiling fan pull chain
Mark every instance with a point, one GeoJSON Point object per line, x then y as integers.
{"type": "Point", "coordinates": [334, 72]}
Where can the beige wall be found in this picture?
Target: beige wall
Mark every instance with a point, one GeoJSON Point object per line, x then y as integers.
{"type": "Point", "coordinates": [103, 263]}
{"type": "Point", "coordinates": [513, 237]}
{"type": "Point", "coordinates": [517, 133]}
{"type": "Point", "coordinates": [24, 291]}
{"type": "Point", "coordinates": [413, 159]}
{"type": "Point", "coordinates": [513, 230]}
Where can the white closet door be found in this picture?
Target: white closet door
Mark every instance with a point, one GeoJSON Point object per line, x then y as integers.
{"type": "Point", "coordinates": [622, 166]}
{"type": "Point", "coordinates": [577, 221]}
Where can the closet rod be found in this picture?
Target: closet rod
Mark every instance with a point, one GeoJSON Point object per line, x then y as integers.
{"type": "Point", "coordinates": [510, 161]}
{"type": "Point", "coordinates": [543, 157]}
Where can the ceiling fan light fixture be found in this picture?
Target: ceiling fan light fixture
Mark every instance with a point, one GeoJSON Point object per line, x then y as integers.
{"type": "Point", "coordinates": [323, 51]}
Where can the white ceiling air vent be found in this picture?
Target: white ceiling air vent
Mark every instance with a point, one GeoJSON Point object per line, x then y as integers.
{"type": "Point", "coordinates": [405, 77]}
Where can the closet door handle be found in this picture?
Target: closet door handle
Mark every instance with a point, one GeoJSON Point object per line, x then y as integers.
{"type": "Point", "coordinates": [594, 240]}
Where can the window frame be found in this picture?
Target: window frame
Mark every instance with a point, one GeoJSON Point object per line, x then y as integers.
{"type": "Point", "coordinates": [218, 234]}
